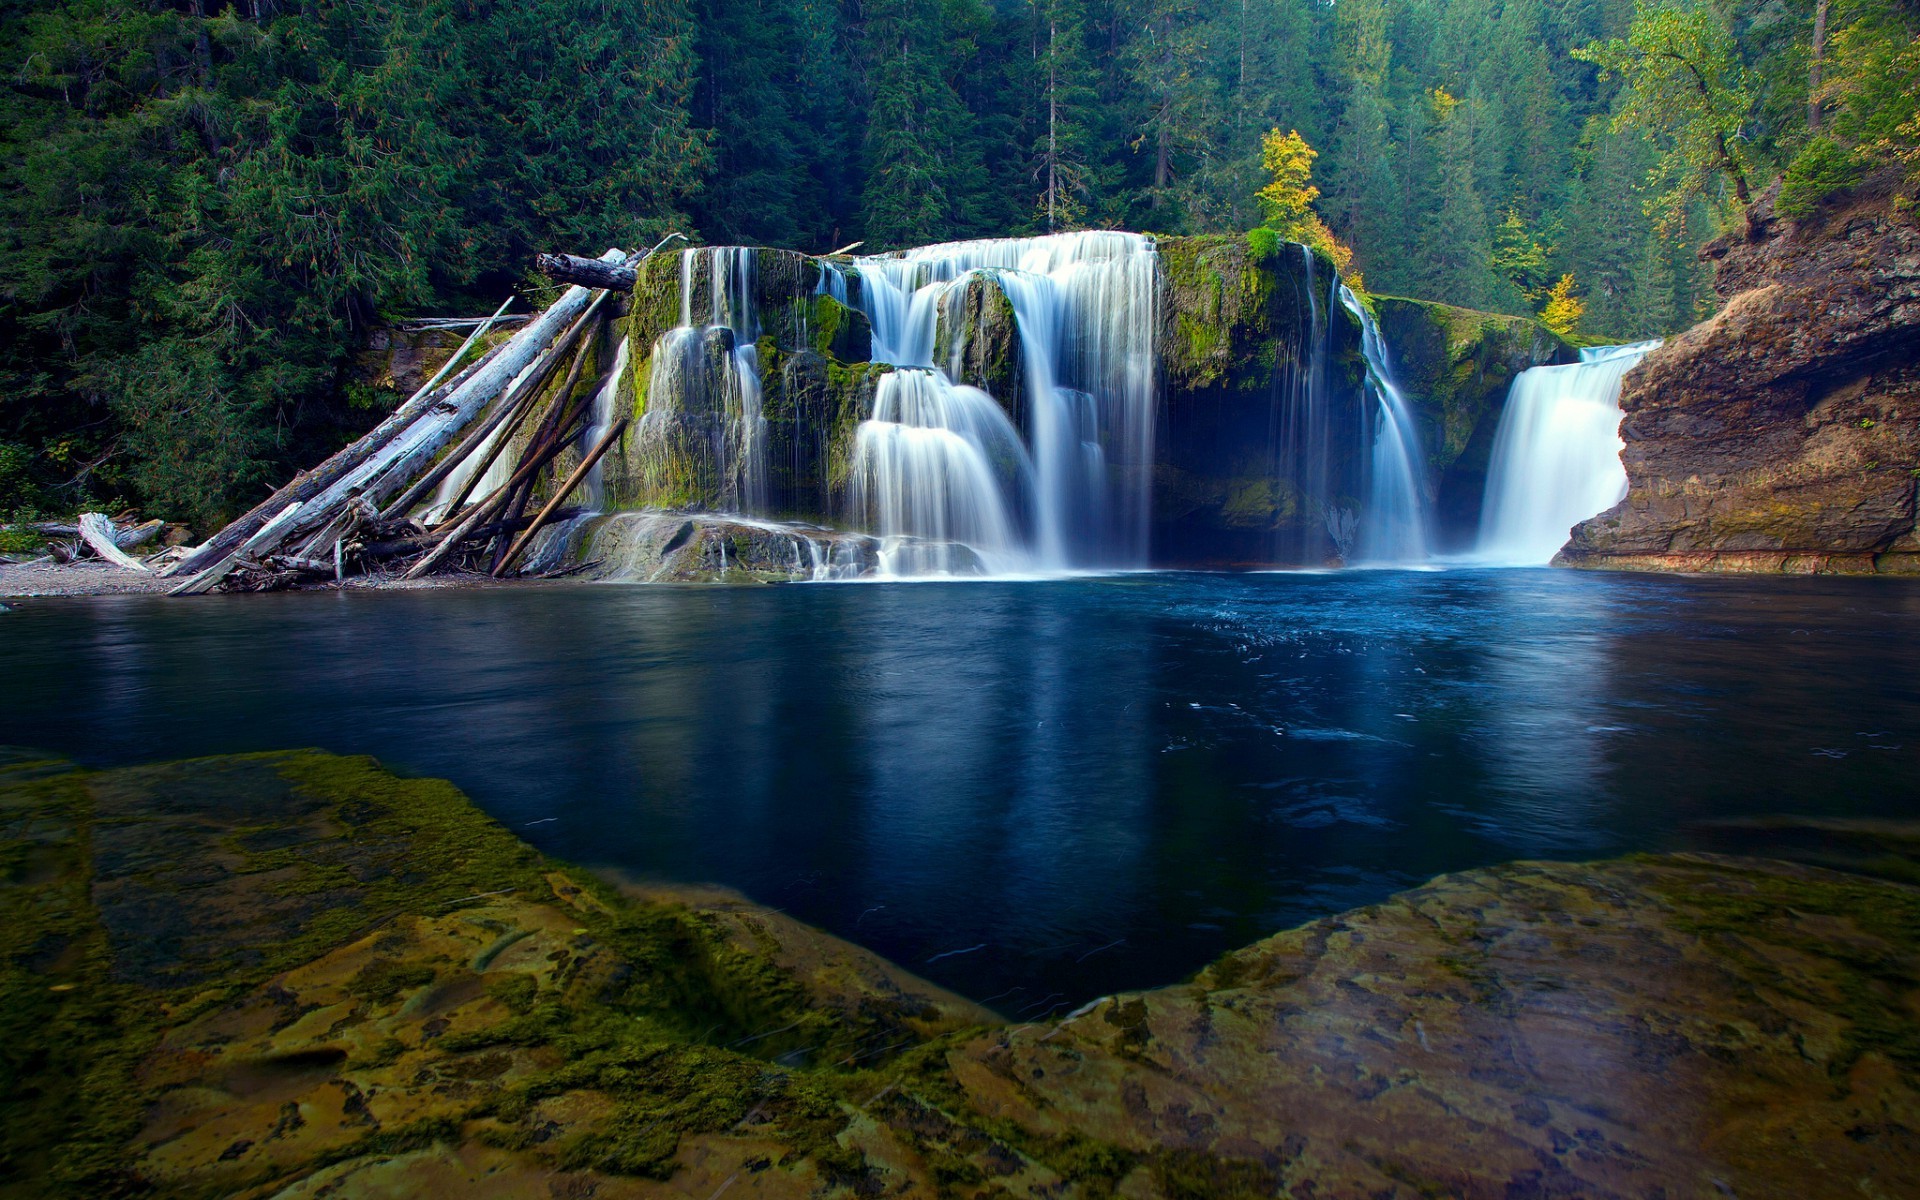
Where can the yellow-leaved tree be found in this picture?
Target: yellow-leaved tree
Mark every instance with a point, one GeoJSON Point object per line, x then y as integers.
{"type": "Point", "coordinates": [1564, 309]}
{"type": "Point", "coordinates": [1289, 195]}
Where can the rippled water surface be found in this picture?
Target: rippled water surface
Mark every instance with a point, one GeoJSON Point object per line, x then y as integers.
{"type": "Point", "coordinates": [1039, 792]}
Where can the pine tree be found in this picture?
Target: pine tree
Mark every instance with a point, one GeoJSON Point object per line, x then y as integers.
{"type": "Point", "coordinates": [1063, 147]}
{"type": "Point", "coordinates": [919, 157]}
{"type": "Point", "coordinates": [1454, 239]}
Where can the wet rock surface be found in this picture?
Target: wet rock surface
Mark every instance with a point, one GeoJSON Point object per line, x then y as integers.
{"type": "Point", "coordinates": [1782, 434]}
{"type": "Point", "coordinates": [298, 975]}
{"type": "Point", "coordinates": [650, 546]}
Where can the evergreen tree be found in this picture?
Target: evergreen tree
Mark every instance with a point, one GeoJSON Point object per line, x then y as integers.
{"type": "Point", "coordinates": [920, 165]}
{"type": "Point", "coordinates": [1453, 240]}
{"type": "Point", "coordinates": [1064, 149]}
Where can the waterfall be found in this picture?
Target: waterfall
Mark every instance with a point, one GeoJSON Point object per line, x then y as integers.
{"type": "Point", "coordinates": [1085, 306]}
{"type": "Point", "coordinates": [1556, 458]}
{"type": "Point", "coordinates": [1393, 528]}
{"type": "Point", "coordinates": [833, 281]}
{"type": "Point", "coordinates": [704, 386]}
{"type": "Point", "coordinates": [1350, 471]}
{"type": "Point", "coordinates": [604, 401]}
{"type": "Point", "coordinates": [935, 469]}
{"type": "Point", "coordinates": [1300, 437]}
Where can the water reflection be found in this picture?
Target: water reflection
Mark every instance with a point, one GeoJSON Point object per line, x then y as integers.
{"type": "Point", "coordinates": [1039, 792]}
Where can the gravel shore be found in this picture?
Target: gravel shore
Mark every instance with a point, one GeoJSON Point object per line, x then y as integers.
{"type": "Point", "coordinates": [87, 577]}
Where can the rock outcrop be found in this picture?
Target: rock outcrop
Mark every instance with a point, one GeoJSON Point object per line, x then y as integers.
{"type": "Point", "coordinates": [1240, 327]}
{"type": "Point", "coordinates": [1782, 434]}
{"type": "Point", "coordinates": [1455, 366]}
{"type": "Point", "coordinates": [292, 975]}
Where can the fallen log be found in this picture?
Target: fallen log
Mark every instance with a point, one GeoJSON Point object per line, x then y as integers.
{"type": "Point", "coordinates": [402, 547]}
{"type": "Point", "coordinates": [597, 273]}
{"type": "Point", "coordinates": [96, 530]}
{"type": "Point", "coordinates": [125, 539]}
{"type": "Point", "coordinates": [312, 483]}
{"type": "Point", "coordinates": [446, 540]}
{"type": "Point", "coordinates": [516, 407]}
{"type": "Point", "coordinates": [267, 535]}
{"type": "Point", "coordinates": [389, 465]}
{"type": "Point", "coordinates": [586, 272]}
{"type": "Point", "coordinates": [561, 493]}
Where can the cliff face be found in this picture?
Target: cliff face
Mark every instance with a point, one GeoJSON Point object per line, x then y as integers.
{"type": "Point", "coordinates": [1237, 327]}
{"type": "Point", "coordinates": [1455, 366]}
{"type": "Point", "coordinates": [1782, 434]}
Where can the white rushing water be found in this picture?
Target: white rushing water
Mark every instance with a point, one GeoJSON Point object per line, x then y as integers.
{"type": "Point", "coordinates": [1393, 527]}
{"type": "Point", "coordinates": [1075, 491]}
{"type": "Point", "coordinates": [692, 393]}
{"type": "Point", "coordinates": [1556, 459]}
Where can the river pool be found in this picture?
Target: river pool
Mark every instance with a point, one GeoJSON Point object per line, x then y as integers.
{"type": "Point", "coordinates": [1039, 792]}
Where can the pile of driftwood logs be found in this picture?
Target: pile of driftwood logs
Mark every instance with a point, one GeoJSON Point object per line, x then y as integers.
{"type": "Point", "coordinates": [353, 514]}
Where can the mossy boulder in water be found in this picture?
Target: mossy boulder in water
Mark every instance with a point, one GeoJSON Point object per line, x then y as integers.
{"type": "Point", "coordinates": [977, 341]}
{"type": "Point", "coordinates": [695, 444]}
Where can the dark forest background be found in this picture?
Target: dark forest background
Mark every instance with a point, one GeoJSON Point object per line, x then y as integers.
{"type": "Point", "coordinates": [207, 204]}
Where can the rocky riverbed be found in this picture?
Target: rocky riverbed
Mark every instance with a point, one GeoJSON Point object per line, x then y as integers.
{"type": "Point", "coordinates": [299, 975]}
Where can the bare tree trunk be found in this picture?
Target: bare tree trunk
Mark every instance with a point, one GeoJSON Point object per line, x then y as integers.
{"type": "Point", "coordinates": [1053, 126]}
{"type": "Point", "coordinates": [1816, 66]}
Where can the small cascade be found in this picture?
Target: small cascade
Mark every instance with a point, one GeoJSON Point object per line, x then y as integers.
{"type": "Point", "coordinates": [1556, 458]}
{"type": "Point", "coordinates": [1086, 309]}
{"type": "Point", "coordinates": [1393, 527]}
{"type": "Point", "coordinates": [604, 402]}
{"type": "Point", "coordinates": [704, 386]}
{"type": "Point", "coordinates": [833, 281]}
{"type": "Point", "coordinates": [938, 468]}
{"type": "Point", "coordinates": [1301, 437]}
{"type": "Point", "coordinates": [1349, 465]}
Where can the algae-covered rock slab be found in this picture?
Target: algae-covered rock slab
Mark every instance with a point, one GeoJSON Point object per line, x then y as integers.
{"type": "Point", "coordinates": [241, 976]}
{"type": "Point", "coordinates": [296, 975]}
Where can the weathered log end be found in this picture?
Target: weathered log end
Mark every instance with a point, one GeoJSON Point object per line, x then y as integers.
{"type": "Point", "coordinates": [586, 272]}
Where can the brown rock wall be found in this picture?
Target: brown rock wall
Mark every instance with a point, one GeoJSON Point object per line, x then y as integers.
{"type": "Point", "coordinates": [1783, 433]}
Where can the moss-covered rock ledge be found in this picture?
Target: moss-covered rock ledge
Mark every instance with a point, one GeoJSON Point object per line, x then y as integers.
{"type": "Point", "coordinates": [298, 975]}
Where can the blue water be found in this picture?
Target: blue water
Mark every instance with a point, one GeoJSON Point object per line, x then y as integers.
{"type": "Point", "coordinates": [1039, 792]}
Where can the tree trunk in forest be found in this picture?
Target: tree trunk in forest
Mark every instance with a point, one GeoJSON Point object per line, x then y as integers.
{"type": "Point", "coordinates": [1814, 68]}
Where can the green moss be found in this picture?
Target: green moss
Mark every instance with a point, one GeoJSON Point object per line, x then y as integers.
{"type": "Point", "coordinates": [1863, 980]}
{"type": "Point", "coordinates": [382, 980]}
{"type": "Point", "coordinates": [1194, 1175]}
{"type": "Point", "coordinates": [1823, 169]}
{"type": "Point", "coordinates": [679, 1020]}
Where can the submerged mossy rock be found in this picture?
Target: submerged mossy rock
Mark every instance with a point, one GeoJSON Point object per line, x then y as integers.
{"type": "Point", "coordinates": [1238, 324]}
{"type": "Point", "coordinates": [298, 975]}
{"type": "Point", "coordinates": [1455, 366]}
